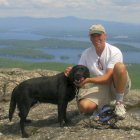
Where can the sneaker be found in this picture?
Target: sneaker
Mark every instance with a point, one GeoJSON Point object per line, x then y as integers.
{"type": "Point", "coordinates": [112, 103]}
{"type": "Point", "coordinates": [120, 110]}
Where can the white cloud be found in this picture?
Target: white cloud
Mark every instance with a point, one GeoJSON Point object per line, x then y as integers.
{"type": "Point", "coordinates": [116, 10]}
{"type": "Point", "coordinates": [126, 2]}
{"type": "Point", "coordinates": [103, 2]}
{"type": "Point", "coordinates": [44, 3]}
{"type": "Point", "coordinates": [4, 3]}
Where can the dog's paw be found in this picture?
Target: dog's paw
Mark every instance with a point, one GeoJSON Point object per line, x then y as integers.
{"type": "Point", "coordinates": [62, 124]}
{"type": "Point", "coordinates": [69, 122]}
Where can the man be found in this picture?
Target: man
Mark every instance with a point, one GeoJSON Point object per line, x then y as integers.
{"type": "Point", "coordinates": [111, 80]}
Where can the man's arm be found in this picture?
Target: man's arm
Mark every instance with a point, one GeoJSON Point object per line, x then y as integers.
{"type": "Point", "coordinates": [104, 79]}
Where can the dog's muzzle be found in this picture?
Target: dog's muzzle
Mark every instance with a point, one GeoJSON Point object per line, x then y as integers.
{"type": "Point", "coordinates": [78, 81]}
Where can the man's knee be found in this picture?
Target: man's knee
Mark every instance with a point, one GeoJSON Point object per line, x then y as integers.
{"type": "Point", "coordinates": [120, 68]}
{"type": "Point", "coordinates": [87, 106]}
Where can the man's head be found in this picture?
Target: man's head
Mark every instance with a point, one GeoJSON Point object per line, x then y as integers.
{"type": "Point", "coordinates": [97, 35]}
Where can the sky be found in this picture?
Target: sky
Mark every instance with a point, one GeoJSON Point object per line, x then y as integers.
{"type": "Point", "coordinates": [109, 10]}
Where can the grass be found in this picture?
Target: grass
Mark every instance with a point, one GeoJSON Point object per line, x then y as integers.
{"type": "Point", "coordinates": [24, 52]}
{"type": "Point", "coordinates": [134, 72]}
{"type": "Point", "coordinates": [51, 43]}
{"type": "Point", "coordinates": [133, 69]}
{"type": "Point", "coordinates": [7, 63]}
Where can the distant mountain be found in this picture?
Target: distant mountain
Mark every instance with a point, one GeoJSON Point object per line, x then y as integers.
{"type": "Point", "coordinates": [70, 25]}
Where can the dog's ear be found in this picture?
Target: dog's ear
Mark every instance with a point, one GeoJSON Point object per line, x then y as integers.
{"type": "Point", "coordinates": [74, 69]}
{"type": "Point", "coordinates": [85, 69]}
{"type": "Point", "coordinates": [71, 74]}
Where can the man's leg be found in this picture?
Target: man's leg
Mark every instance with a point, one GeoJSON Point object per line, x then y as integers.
{"type": "Point", "coordinates": [120, 81]}
{"type": "Point", "coordinates": [94, 97]}
{"type": "Point", "coordinates": [87, 106]}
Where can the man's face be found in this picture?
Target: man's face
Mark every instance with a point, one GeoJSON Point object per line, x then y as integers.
{"type": "Point", "coordinates": [98, 40]}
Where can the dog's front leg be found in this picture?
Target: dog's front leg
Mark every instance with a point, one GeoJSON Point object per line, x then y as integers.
{"type": "Point", "coordinates": [62, 115]}
{"type": "Point", "coordinates": [65, 114]}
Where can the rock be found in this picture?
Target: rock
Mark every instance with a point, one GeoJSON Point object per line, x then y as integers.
{"type": "Point", "coordinates": [133, 99]}
{"type": "Point", "coordinates": [1, 134]}
{"type": "Point", "coordinates": [11, 77]}
{"type": "Point", "coordinates": [45, 126]}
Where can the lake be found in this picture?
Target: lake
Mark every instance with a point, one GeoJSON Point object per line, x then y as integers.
{"type": "Point", "coordinates": [66, 55]}
{"type": "Point", "coordinates": [70, 55]}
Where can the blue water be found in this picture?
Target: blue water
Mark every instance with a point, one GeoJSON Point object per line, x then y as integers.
{"type": "Point", "coordinates": [72, 54]}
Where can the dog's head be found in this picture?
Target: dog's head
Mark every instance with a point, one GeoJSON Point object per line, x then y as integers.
{"type": "Point", "coordinates": [78, 74]}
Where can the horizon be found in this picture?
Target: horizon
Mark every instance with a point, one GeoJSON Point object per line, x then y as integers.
{"type": "Point", "coordinates": [65, 17]}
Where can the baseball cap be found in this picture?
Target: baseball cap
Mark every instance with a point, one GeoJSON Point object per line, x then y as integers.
{"type": "Point", "coordinates": [96, 29]}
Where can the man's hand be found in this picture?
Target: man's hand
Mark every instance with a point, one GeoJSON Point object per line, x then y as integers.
{"type": "Point", "coordinates": [67, 71]}
{"type": "Point", "coordinates": [83, 82]}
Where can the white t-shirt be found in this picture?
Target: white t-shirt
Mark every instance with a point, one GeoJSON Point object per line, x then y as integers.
{"type": "Point", "coordinates": [98, 65]}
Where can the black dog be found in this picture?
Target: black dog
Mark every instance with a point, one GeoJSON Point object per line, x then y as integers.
{"type": "Point", "coordinates": [57, 89]}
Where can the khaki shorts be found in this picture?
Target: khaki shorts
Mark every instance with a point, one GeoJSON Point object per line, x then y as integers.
{"type": "Point", "coordinates": [101, 94]}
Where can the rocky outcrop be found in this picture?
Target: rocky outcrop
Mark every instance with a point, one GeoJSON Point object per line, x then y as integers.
{"type": "Point", "coordinates": [45, 126]}
{"type": "Point", "coordinates": [11, 77]}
